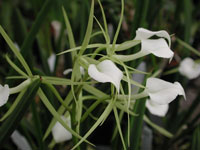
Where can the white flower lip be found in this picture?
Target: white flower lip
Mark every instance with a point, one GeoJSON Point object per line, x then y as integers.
{"type": "Point", "coordinates": [158, 47]}
{"type": "Point", "coordinates": [60, 134]}
{"type": "Point", "coordinates": [189, 68]}
{"type": "Point", "coordinates": [4, 94]}
{"type": "Point", "coordinates": [106, 71]}
{"type": "Point", "coordinates": [156, 109]}
{"type": "Point", "coordinates": [163, 92]}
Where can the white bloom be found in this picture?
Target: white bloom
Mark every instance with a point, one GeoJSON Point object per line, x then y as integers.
{"type": "Point", "coordinates": [60, 134]}
{"type": "Point", "coordinates": [51, 62]}
{"type": "Point", "coordinates": [189, 68]}
{"type": "Point", "coordinates": [162, 92]}
{"type": "Point", "coordinates": [106, 71]}
{"type": "Point", "coordinates": [156, 109]}
{"type": "Point", "coordinates": [158, 47]}
{"type": "Point", "coordinates": [4, 94]}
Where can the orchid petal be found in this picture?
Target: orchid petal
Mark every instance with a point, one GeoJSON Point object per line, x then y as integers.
{"type": "Point", "coordinates": [189, 68]}
{"type": "Point", "coordinates": [60, 134]}
{"type": "Point", "coordinates": [158, 47]}
{"type": "Point", "coordinates": [51, 62]}
{"type": "Point", "coordinates": [106, 71]}
{"type": "Point", "coordinates": [156, 109]}
{"type": "Point", "coordinates": [4, 94]}
{"type": "Point", "coordinates": [142, 34]}
{"type": "Point", "coordinates": [163, 92]}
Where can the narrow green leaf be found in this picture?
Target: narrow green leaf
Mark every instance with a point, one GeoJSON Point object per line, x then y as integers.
{"type": "Point", "coordinates": [16, 77]}
{"type": "Point", "coordinates": [94, 91]}
{"type": "Point", "coordinates": [89, 30]}
{"type": "Point", "coordinates": [124, 109]}
{"type": "Point", "coordinates": [104, 33]}
{"type": "Point", "coordinates": [104, 21]}
{"type": "Point", "coordinates": [55, 92]}
{"type": "Point", "coordinates": [174, 70]}
{"type": "Point", "coordinates": [158, 128]}
{"type": "Point", "coordinates": [119, 127]}
{"type": "Point", "coordinates": [15, 51]}
{"type": "Point", "coordinates": [132, 82]}
{"type": "Point", "coordinates": [136, 124]}
{"type": "Point", "coordinates": [119, 25]}
{"type": "Point", "coordinates": [15, 67]}
{"type": "Point", "coordinates": [126, 45]}
{"type": "Point", "coordinates": [187, 10]}
{"type": "Point", "coordinates": [139, 20]}
{"type": "Point", "coordinates": [195, 139]}
{"type": "Point", "coordinates": [187, 46]}
{"type": "Point", "coordinates": [25, 49]}
{"type": "Point", "coordinates": [70, 33]}
{"type": "Point", "coordinates": [92, 107]}
{"type": "Point", "coordinates": [80, 47]}
{"type": "Point", "coordinates": [19, 26]}
{"type": "Point", "coordinates": [61, 81]}
{"type": "Point", "coordinates": [38, 126]}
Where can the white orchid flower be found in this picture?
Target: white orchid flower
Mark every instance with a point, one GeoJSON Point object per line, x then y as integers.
{"type": "Point", "coordinates": [157, 109]}
{"type": "Point", "coordinates": [163, 92]}
{"type": "Point", "coordinates": [189, 68]}
{"type": "Point", "coordinates": [158, 47]}
{"type": "Point", "coordinates": [4, 94]}
{"type": "Point", "coordinates": [51, 62]}
{"type": "Point", "coordinates": [106, 71]}
{"type": "Point", "coordinates": [60, 134]}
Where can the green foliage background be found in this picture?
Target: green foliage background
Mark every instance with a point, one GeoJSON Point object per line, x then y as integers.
{"type": "Point", "coordinates": [28, 23]}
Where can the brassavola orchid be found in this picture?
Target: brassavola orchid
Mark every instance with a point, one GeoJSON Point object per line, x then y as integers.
{"type": "Point", "coordinates": [158, 47]}
{"type": "Point", "coordinates": [163, 92]}
{"type": "Point", "coordinates": [106, 71]}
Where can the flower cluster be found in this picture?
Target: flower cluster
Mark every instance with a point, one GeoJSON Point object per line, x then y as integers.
{"type": "Point", "coordinates": [161, 93]}
{"type": "Point", "coordinates": [106, 69]}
